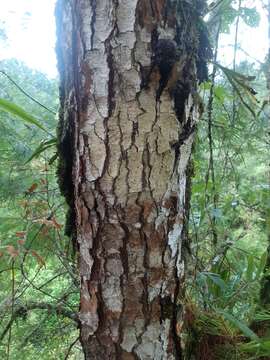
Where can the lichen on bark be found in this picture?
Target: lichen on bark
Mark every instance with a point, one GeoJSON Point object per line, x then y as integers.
{"type": "Point", "coordinates": [128, 83]}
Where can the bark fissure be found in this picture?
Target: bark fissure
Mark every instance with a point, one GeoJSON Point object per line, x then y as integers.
{"type": "Point", "coordinates": [93, 20]}
{"type": "Point", "coordinates": [128, 85]}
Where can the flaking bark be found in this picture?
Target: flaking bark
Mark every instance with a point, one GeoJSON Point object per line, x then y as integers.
{"type": "Point", "coordinates": [128, 113]}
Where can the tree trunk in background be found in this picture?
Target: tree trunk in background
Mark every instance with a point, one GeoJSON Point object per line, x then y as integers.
{"type": "Point", "coordinates": [129, 71]}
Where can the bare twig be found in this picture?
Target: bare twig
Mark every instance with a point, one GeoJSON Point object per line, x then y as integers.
{"type": "Point", "coordinates": [70, 348]}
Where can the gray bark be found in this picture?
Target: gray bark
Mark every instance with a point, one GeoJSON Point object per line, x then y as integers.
{"type": "Point", "coordinates": [128, 113]}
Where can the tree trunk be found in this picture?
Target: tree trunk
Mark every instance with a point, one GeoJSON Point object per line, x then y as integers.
{"type": "Point", "coordinates": [129, 71]}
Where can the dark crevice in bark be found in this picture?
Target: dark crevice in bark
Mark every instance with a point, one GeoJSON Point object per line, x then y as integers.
{"type": "Point", "coordinates": [180, 95]}
{"type": "Point", "coordinates": [93, 5]}
{"type": "Point", "coordinates": [145, 300]}
{"type": "Point", "coordinates": [149, 166]}
{"type": "Point", "coordinates": [152, 8]}
{"type": "Point", "coordinates": [123, 279]}
{"type": "Point", "coordinates": [187, 131]}
{"type": "Point", "coordinates": [176, 148]}
{"type": "Point", "coordinates": [123, 250]}
{"type": "Point", "coordinates": [165, 58]}
{"type": "Point", "coordinates": [176, 310]}
{"type": "Point", "coordinates": [145, 181]}
{"type": "Point", "coordinates": [66, 133]}
{"type": "Point", "coordinates": [110, 61]}
{"type": "Point", "coordinates": [134, 133]}
{"type": "Point", "coordinates": [65, 181]}
{"type": "Point", "coordinates": [186, 239]}
{"type": "Point", "coordinates": [111, 102]}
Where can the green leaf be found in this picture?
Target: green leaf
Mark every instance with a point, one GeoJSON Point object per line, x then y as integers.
{"type": "Point", "coordinates": [206, 85]}
{"type": "Point", "coordinates": [250, 16]}
{"type": "Point", "coordinates": [228, 15]}
{"type": "Point", "coordinates": [240, 82]}
{"type": "Point", "coordinates": [53, 158]}
{"type": "Point", "coordinates": [258, 349]}
{"type": "Point", "coordinates": [240, 325]}
{"type": "Point", "coordinates": [216, 213]}
{"type": "Point", "coordinates": [220, 93]}
{"type": "Point", "coordinates": [250, 268]}
{"type": "Point", "coordinates": [261, 266]}
{"type": "Point", "coordinates": [263, 315]}
{"type": "Point", "coordinates": [19, 112]}
{"type": "Point", "coordinates": [41, 148]}
{"type": "Point", "coordinates": [216, 279]}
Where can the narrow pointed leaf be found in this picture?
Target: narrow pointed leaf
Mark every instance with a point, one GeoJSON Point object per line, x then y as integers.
{"type": "Point", "coordinates": [240, 325]}
{"type": "Point", "coordinates": [16, 110]}
{"type": "Point", "coordinates": [41, 148]}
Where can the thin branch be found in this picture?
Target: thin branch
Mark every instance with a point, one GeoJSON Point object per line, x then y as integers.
{"type": "Point", "coordinates": [22, 309]}
{"type": "Point", "coordinates": [70, 348]}
{"type": "Point", "coordinates": [234, 60]}
{"type": "Point", "coordinates": [26, 94]}
{"type": "Point", "coordinates": [211, 169]}
{"type": "Point", "coordinates": [12, 307]}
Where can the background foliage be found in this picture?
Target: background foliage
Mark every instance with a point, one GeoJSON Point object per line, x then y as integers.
{"type": "Point", "coordinates": [39, 289]}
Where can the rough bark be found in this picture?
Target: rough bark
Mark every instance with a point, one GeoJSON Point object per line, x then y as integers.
{"type": "Point", "coordinates": [128, 113]}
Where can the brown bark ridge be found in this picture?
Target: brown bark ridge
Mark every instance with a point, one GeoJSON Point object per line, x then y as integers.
{"type": "Point", "coordinates": [128, 77]}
